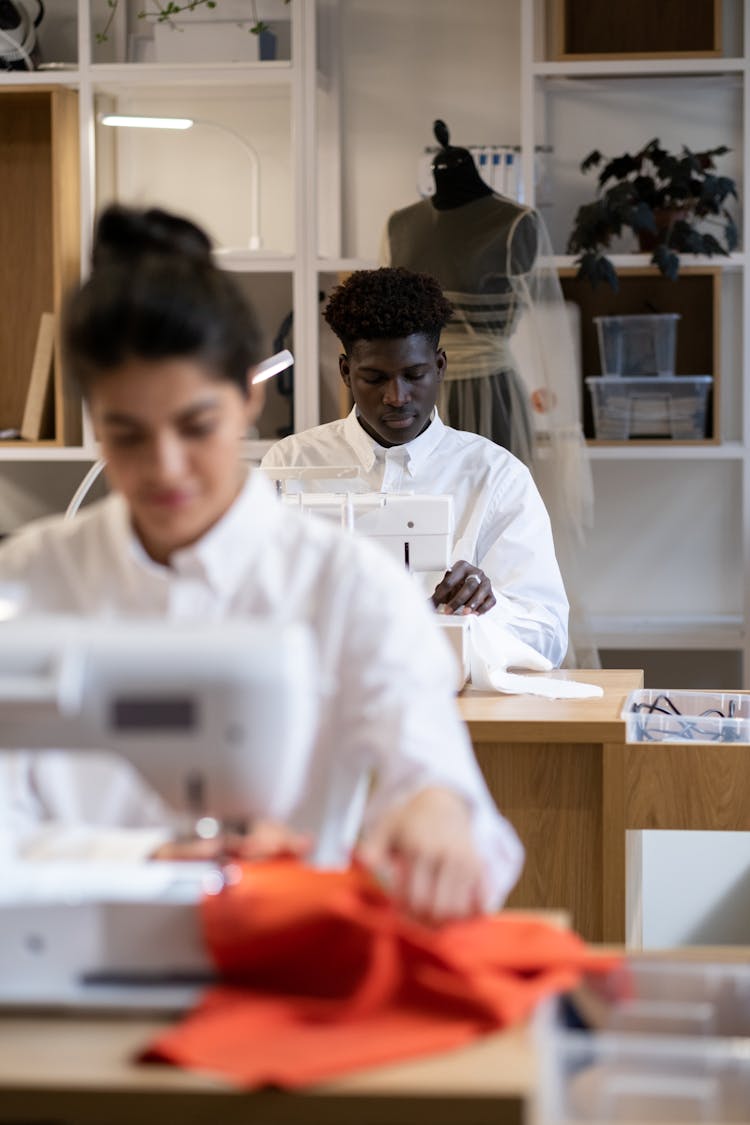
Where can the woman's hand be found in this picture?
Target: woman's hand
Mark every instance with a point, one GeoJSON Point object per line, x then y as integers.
{"type": "Point", "coordinates": [266, 840]}
{"type": "Point", "coordinates": [464, 589]}
{"type": "Point", "coordinates": [424, 854]}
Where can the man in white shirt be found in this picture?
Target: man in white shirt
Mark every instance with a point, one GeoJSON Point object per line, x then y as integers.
{"type": "Point", "coordinates": [503, 568]}
{"type": "Point", "coordinates": [164, 346]}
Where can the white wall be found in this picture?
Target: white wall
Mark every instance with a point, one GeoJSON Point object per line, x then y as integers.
{"type": "Point", "coordinates": [402, 66]}
{"type": "Point", "coordinates": [696, 888]}
{"type": "Point", "coordinates": [676, 522]}
{"type": "Point", "coordinates": [197, 172]}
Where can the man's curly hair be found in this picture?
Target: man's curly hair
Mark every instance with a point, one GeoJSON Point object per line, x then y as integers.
{"type": "Point", "coordinates": [387, 304]}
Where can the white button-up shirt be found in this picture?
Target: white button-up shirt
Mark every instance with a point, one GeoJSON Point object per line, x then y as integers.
{"type": "Point", "coordinates": [501, 524]}
{"type": "Point", "coordinates": [386, 675]}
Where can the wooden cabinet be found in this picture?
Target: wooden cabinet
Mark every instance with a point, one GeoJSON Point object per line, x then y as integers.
{"type": "Point", "coordinates": [39, 233]}
{"type": "Point", "coordinates": [695, 297]}
{"type": "Point", "coordinates": [590, 29]}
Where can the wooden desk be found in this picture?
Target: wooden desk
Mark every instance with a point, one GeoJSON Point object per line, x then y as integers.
{"type": "Point", "coordinates": [557, 771]}
{"type": "Point", "coordinates": [78, 1071]}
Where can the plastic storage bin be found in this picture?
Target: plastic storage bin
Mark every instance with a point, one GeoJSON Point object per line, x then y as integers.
{"type": "Point", "coordinates": [637, 345]}
{"type": "Point", "coordinates": [669, 407]}
{"type": "Point", "coordinates": [671, 1045]}
{"type": "Point", "coordinates": [666, 715]}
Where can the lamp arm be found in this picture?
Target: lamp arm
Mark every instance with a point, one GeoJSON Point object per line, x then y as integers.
{"type": "Point", "coordinates": [255, 240]}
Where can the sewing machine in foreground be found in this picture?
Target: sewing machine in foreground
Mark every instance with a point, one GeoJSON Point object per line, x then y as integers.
{"type": "Point", "coordinates": [220, 720]}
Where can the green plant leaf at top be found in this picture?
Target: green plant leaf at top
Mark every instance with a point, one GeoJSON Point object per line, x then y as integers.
{"type": "Point", "coordinates": [591, 161]}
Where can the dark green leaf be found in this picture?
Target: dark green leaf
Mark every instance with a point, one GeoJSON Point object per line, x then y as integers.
{"type": "Point", "coordinates": [730, 232]}
{"type": "Point", "coordinates": [684, 237]}
{"type": "Point", "coordinates": [591, 160]}
{"type": "Point", "coordinates": [606, 272]}
{"type": "Point", "coordinates": [668, 262]}
{"type": "Point", "coordinates": [642, 218]}
{"type": "Point", "coordinates": [619, 168]}
{"type": "Point", "coordinates": [712, 245]}
{"type": "Point", "coordinates": [725, 187]}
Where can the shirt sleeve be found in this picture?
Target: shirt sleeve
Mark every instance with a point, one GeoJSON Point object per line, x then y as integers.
{"type": "Point", "coordinates": [517, 553]}
{"type": "Point", "coordinates": [58, 805]}
{"type": "Point", "coordinates": [274, 458]}
{"type": "Point", "coordinates": [397, 707]}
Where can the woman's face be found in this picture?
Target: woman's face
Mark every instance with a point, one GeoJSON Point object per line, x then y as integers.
{"type": "Point", "coordinates": [171, 433]}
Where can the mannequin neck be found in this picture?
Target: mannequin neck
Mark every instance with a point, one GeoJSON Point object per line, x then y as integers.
{"type": "Point", "coordinates": [456, 186]}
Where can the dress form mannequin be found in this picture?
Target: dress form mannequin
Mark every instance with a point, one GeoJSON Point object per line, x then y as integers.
{"type": "Point", "coordinates": [474, 242]}
{"type": "Point", "coordinates": [492, 257]}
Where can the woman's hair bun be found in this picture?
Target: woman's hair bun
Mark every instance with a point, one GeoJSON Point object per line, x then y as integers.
{"type": "Point", "coordinates": [124, 235]}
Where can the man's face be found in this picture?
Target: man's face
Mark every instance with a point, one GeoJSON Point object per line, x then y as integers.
{"type": "Point", "coordinates": [394, 384]}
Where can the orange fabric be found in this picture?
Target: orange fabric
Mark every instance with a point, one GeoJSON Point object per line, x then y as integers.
{"type": "Point", "coordinates": [325, 975]}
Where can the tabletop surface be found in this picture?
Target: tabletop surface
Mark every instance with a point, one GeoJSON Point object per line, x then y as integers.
{"type": "Point", "coordinates": [97, 1053]}
{"type": "Point", "coordinates": [493, 717]}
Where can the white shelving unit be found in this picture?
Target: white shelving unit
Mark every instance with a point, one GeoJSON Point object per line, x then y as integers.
{"type": "Point", "coordinates": [272, 100]}
{"type": "Point", "coordinates": [719, 474]}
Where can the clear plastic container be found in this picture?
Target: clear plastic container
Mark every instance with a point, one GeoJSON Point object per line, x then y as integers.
{"type": "Point", "coordinates": [667, 715]}
{"type": "Point", "coordinates": [669, 1041]}
{"type": "Point", "coordinates": [614, 1077]}
{"type": "Point", "coordinates": [673, 406]}
{"type": "Point", "coordinates": [637, 345]}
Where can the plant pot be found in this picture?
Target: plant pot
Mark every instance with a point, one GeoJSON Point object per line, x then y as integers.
{"type": "Point", "coordinates": [665, 218]}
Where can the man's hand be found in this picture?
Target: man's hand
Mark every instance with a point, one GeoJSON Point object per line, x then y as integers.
{"type": "Point", "coordinates": [266, 840]}
{"type": "Point", "coordinates": [464, 589]}
{"type": "Point", "coordinates": [425, 855]}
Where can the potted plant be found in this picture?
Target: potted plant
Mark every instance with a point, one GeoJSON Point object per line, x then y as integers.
{"type": "Point", "coordinates": [667, 200]}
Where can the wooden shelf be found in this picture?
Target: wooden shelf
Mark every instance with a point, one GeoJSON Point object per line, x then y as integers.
{"type": "Point", "coordinates": [716, 631]}
{"type": "Point", "coordinates": [695, 295]}
{"type": "Point", "coordinates": [665, 450]}
{"type": "Point", "coordinates": [586, 29]}
{"type": "Point", "coordinates": [39, 174]}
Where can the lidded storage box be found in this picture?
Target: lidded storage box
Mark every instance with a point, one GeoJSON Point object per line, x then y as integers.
{"type": "Point", "coordinates": [637, 346]}
{"type": "Point", "coordinates": [672, 406]}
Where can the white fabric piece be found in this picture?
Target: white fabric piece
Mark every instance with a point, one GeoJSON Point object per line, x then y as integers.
{"type": "Point", "coordinates": [512, 684]}
{"type": "Point", "coordinates": [490, 670]}
{"type": "Point", "coordinates": [386, 674]}
{"type": "Point", "coordinates": [502, 526]}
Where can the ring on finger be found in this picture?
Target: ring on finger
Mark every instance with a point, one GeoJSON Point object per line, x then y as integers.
{"type": "Point", "coordinates": [472, 578]}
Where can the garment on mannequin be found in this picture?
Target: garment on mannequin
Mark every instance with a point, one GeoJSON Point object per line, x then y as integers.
{"type": "Point", "coordinates": [512, 371]}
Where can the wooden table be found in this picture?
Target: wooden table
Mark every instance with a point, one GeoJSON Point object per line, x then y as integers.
{"type": "Point", "coordinates": [79, 1071]}
{"type": "Point", "coordinates": [557, 769]}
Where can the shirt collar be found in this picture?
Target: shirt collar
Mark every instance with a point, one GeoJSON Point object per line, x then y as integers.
{"type": "Point", "coordinates": [220, 557]}
{"type": "Point", "coordinates": [414, 453]}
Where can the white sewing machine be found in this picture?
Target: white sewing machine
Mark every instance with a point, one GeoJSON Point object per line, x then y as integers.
{"type": "Point", "coordinates": [220, 719]}
{"type": "Point", "coordinates": [417, 530]}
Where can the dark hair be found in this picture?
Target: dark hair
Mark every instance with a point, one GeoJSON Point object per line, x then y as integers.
{"type": "Point", "coordinates": [387, 304]}
{"type": "Point", "coordinates": [155, 293]}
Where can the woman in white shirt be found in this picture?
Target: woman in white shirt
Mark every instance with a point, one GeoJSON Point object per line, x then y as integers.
{"type": "Point", "coordinates": [164, 344]}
